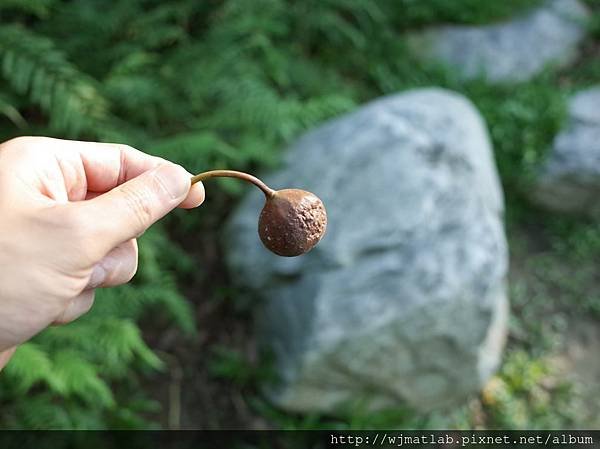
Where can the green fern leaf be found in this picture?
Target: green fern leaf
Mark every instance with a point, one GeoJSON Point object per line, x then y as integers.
{"type": "Point", "coordinates": [34, 67]}
{"type": "Point", "coordinates": [29, 366]}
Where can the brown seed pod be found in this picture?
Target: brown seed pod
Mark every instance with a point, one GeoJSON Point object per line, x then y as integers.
{"type": "Point", "coordinates": [291, 222]}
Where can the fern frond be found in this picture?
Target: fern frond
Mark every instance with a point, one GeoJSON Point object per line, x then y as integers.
{"type": "Point", "coordinates": [80, 378]}
{"type": "Point", "coordinates": [34, 67]}
{"type": "Point", "coordinates": [29, 366]}
{"type": "Point", "coordinates": [39, 8]}
{"type": "Point", "coordinates": [11, 112]}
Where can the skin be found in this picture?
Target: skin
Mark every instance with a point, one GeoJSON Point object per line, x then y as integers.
{"type": "Point", "coordinates": [70, 214]}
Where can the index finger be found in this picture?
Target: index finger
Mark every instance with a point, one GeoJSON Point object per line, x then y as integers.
{"type": "Point", "coordinates": [108, 165]}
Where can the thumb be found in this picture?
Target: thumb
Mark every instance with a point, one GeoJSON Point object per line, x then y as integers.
{"type": "Point", "coordinates": [126, 211]}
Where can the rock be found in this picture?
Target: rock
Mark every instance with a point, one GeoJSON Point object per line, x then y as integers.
{"type": "Point", "coordinates": [569, 180]}
{"type": "Point", "coordinates": [404, 298]}
{"type": "Point", "coordinates": [511, 51]}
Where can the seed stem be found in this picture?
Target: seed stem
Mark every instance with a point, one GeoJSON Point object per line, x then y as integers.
{"type": "Point", "coordinates": [234, 174]}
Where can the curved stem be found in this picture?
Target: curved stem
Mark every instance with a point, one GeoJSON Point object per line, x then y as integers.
{"type": "Point", "coordinates": [234, 174]}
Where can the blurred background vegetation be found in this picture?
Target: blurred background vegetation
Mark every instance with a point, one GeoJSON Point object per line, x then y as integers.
{"type": "Point", "coordinates": [228, 83]}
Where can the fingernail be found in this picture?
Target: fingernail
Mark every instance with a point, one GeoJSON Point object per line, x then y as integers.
{"type": "Point", "coordinates": [174, 179]}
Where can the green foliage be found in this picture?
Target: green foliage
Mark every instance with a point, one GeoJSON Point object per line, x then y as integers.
{"type": "Point", "coordinates": [522, 123]}
{"type": "Point", "coordinates": [34, 67]}
{"type": "Point", "coordinates": [228, 364]}
{"type": "Point", "coordinates": [62, 378]}
{"type": "Point", "coordinates": [558, 283]}
{"type": "Point", "coordinates": [38, 8]}
{"type": "Point", "coordinates": [528, 395]}
{"type": "Point", "coordinates": [466, 11]}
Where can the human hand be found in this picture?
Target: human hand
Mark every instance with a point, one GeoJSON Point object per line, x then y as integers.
{"type": "Point", "coordinates": [70, 213]}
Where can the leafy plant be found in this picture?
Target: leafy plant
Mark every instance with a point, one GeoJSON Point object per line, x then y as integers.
{"type": "Point", "coordinates": [527, 395]}
{"type": "Point", "coordinates": [63, 377]}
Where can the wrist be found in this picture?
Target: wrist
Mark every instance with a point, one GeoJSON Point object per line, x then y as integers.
{"type": "Point", "coordinates": [5, 357]}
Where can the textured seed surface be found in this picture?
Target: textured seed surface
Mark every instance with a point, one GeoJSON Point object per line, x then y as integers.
{"type": "Point", "coordinates": [292, 222]}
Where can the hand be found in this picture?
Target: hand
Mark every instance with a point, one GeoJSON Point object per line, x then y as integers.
{"type": "Point", "coordinates": [70, 213]}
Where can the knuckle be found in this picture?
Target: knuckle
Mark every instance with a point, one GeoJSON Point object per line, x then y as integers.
{"type": "Point", "coordinates": [131, 266]}
{"type": "Point", "coordinates": [138, 202]}
{"type": "Point", "coordinates": [134, 268]}
{"type": "Point", "coordinates": [123, 151]}
{"type": "Point", "coordinates": [75, 307]}
{"type": "Point", "coordinates": [129, 276]}
{"type": "Point", "coordinates": [21, 144]}
{"type": "Point", "coordinates": [87, 304]}
{"type": "Point", "coordinates": [123, 270]}
{"type": "Point", "coordinates": [123, 148]}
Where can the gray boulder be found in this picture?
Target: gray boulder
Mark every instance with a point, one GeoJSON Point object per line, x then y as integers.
{"type": "Point", "coordinates": [510, 51]}
{"type": "Point", "coordinates": [569, 180]}
{"type": "Point", "coordinates": [404, 298]}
